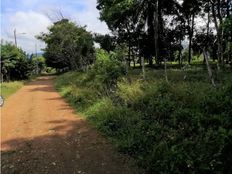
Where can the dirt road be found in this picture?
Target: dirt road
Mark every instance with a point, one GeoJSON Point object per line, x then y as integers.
{"type": "Point", "coordinates": [41, 134]}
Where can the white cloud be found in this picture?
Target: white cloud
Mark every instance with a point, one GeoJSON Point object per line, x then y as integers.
{"type": "Point", "coordinates": [90, 17]}
{"type": "Point", "coordinates": [31, 18]}
{"type": "Point", "coordinates": [30, 22]}
{"type": "Point", "coordinates": [27, 25]}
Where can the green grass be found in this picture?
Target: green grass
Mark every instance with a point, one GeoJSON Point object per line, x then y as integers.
{"type": "Point", "coordinates": [8, 88]}
{"type": "Point", "coordinates": [183, 126]}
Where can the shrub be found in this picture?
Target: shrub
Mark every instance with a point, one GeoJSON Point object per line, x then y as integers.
{"type": "Point", "coordinates": [107, 69]}
{"type": "Point", "coordinates": [14, 63]}
{"type": "Point", "coordinates": [129, 92]}
{"type": "Point", "coordinates": [182, 127]}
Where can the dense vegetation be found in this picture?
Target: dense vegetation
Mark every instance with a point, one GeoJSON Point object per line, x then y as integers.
{"type": "Point", "coordinates": [69, 47]}
{"type": "Point", "coordinates": [183, 126]}
{"type": "Point", "coordinates": [158, 29]}
{"type": "Point", "coordinates": [8, 88]}
{"type": "Point", "coordinates": [172, 110]}
{"type": "Point", "coordinates": [16, 65]}
{"type": "Point", "coordinates": [175, 120]}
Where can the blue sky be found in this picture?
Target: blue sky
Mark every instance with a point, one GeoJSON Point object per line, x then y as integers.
{"type": "Point", "coordinates": [34, 16]}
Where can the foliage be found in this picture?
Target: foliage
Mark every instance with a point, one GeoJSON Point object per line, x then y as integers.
{"type": "Point", "coordinates": [106, 42]}
{"type": "Point", "coordinates": [8, 88]}
{"type": "Point", "coordinates": [14, 63]}
{"type": "Point", "coordinates": [107, 69]}
{"type": "Point", "coordinates": [227, 25]}
{"type": "Point", "coordinates": [158, 28]}
{"type": "Point", "coordinates": [39, 64]}
{"type": "Point", "coordinates": [176, 127]}
{"type": "Point", "coordinates": [69, 47]}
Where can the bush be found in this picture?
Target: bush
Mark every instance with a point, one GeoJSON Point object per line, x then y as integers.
{"type": "Point", "coordinates": [14, 63]}
{"type": "Point", "coordinates": [182, 127]}
{"type": "Point", "coordinates": [71, 86]}
{"type": "Point", "coordinates": [180, 136]}
{"type": "Point", "coordinates": [129, 92]}
{"type": "Point", "coordinates": [107, 69]}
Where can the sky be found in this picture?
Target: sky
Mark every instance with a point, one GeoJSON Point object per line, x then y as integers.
{"type": "Point", "coordinates": [31, 17]}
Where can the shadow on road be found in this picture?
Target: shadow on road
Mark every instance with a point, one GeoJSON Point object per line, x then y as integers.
{"type": "Point", "coordinates": [60, 144]}
{"type": "Point", "coordinates": [68, 147]}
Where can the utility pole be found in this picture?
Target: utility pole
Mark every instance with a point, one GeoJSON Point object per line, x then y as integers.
{"type": "Point", "coordinates": [37, 66]}
{"type": "Point", "coordinates": [36, 49]}
{"type": "Point", "coordinates": [15, 37]}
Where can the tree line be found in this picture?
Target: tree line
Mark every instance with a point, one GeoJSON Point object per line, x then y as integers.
{"type": "Point", "coordinates": [152, 31]}
{"type": "Point", "coordinates": [157, 29]}
{"type": "Point", "coordinates": [69, 46]}
{"type": "Point", "coordinates": [17, 65]}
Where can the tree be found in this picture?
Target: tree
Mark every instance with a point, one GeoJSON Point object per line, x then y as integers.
{"type": "Point", "coordinates": [227, 28]}
{"type": "Point", "coordinates": [39, 63]}
{"type": "Point", "coordinates": [118, 15]}
{"type": "Point", "coordinates": [106, 42]}
{"type": "Point", "coordinates": [69, 47]}
{"type": "Point", "coordinates": [14, 63]}
{"type": "Point", "coordinates": [221, 12]}
{"type": "Point", "coordinates": [133, 19]}
{"type": "Point", "coordinates": [190, 9]}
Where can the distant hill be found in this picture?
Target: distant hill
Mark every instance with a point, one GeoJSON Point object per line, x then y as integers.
{"type": "Point", "coordinates": [40, 54]}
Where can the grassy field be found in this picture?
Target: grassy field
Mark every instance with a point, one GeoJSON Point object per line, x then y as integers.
{"type": "Point", "coordinates": [183, 126]}
{"type": "Point", "coordinates": [8, 88]}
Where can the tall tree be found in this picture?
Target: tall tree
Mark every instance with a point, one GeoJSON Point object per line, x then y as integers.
{"type": "Point", "coordinates": [119, 17]}
{"type": "Point", "coordinates": [190, 9]}
{"type": "Point", "coordinates": [146, 18]}
{"type": "Point", "coordinates": [221, 11]}
{"type": "Point", "coordinates": [68, 46]}
{"type": "Point", "coordinates": [14, 63]}
{"type": "Point", "coordinates": [106, 42]}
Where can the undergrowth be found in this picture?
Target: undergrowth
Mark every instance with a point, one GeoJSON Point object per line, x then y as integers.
{"type": "Point", "coordinates": [8, 88]}
{"type": "Point", "coordinates": [184, 126]}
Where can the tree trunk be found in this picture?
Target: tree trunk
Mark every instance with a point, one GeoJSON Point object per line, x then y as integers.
{"type": "Point", "coordinates": [206, 56]}
{"type": "Point", "coordinates": [179, 54]}
{"type": "Point", "coordinates": [165, 70]}
{"type": "Point", "coordinates": [150, 61]}
{"type": "Point", "coordinates": [126, 66]}
{"type": "Point", "coordinates": [190, 39]}
{"type": "Point", "coordinates": [129, 53]}
{"type": "Point", "coordinates": [219, 39]}
{"type": "Point", "coordinates": [228, 8]}
{"type": "Point", "coordinates": [209, 68]}
{"type": "Point", "coordinates": [180, 58]}
{"type": "Point", "coordinates": [143, 67]}
{"type": "Point", "coordinates": [156, 32]}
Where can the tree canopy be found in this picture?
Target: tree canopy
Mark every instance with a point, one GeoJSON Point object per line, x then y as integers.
{"type": "Point", "coordinates": [15, 65]}
{"type": "Point", "coordinates": [156, 29]}
{"type": "Point", "coordinates": [69, 46]}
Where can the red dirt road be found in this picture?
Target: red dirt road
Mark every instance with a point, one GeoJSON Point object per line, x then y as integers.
{"type": "Point", "coordinates": [41, 134]}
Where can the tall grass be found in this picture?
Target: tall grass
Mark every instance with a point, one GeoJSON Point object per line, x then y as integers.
{"type": "Point", "coordinates": [183, 126]}
{"type": "Point", "coordinates": [8, 88]}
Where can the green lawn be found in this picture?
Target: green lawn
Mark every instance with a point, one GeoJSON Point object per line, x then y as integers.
{"type": "Point", "coordinates": [8, 88]}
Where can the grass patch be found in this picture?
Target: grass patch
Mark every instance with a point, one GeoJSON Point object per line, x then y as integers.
{"type": "Point", "coordinates": [183, 126]}
{"type": "Point", "coordinates": [8, 88]}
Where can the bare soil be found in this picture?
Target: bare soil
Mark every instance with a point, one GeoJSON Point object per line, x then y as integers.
{"type": "Point", "coordinates": [41, 134]}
